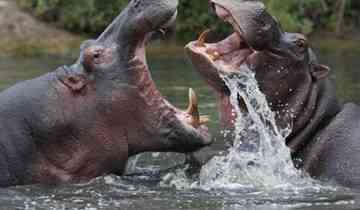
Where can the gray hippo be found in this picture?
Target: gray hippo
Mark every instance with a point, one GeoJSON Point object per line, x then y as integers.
{"type": "Point", "coordinates": [84, 120]}
{"type": "Point", "coordinates": [325, 137]}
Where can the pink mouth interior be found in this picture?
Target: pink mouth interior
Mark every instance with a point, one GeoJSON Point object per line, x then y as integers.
{"type": "Point", "coordinates": [230, 53]}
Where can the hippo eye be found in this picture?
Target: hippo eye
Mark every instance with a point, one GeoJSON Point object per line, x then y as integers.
{"type": "Point", "coordinates": [301, 43]}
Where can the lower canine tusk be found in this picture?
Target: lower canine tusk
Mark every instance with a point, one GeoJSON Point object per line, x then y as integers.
{"type": "Point", "coordinates": [193, 110]}
{"type": "Point", "coordinates": [201, 40]}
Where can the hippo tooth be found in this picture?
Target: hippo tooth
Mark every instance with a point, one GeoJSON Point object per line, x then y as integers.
{"type": "Point", "coordinates": [204, 119]}
{"type": "Point", "coordinates": [202, 38]}
{"type": "Point", "coordinates": [193, 110]}
{"type": "Point", "coordinates": [214, 55]}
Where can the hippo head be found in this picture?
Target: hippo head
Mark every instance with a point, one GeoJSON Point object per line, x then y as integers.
{"type": "Point", "coordinates": [283, 63]}
{"type": "Point", "coordinates": [115, 65]}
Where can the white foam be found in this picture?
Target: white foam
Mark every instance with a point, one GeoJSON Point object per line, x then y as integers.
{"type": "Point", "coordinates": [259, 157]}
{"type": "Point", "coordinates": [4, 3]}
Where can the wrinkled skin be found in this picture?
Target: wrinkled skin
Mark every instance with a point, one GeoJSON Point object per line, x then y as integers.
{"type": "Point", "coordinates": [325, 135]}
{"type": "Point", "coordinates": [85, 120]}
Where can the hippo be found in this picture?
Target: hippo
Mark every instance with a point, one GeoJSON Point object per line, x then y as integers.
{"type": "Point", "coordinates": [85, 120]}
{"type": "Point", "coordinates": [325, 138]}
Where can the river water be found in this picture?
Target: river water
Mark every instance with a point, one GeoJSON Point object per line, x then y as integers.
{"type": "Point", "coordinates": [174, 76]}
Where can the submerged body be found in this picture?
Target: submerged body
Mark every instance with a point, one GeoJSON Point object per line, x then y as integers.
{"type": "Point", "coordinates": [325, 140]}
{"type": "Point", "coordinates": [84, 121]}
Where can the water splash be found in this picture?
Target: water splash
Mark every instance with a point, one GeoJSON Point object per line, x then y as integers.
{"type": "Point", "coordinates": [259, 157]}
{"type": "Point", "coordinates": [132, 164]}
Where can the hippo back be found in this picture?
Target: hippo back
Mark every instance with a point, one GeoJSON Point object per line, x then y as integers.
{"type": "Point", "coordinates": [336, 153]}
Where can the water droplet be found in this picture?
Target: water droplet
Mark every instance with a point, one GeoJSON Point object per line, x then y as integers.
{"type": "Point", "coordinates": [259, 156]}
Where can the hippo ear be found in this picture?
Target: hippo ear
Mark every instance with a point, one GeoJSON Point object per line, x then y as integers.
{"type": "Point", "coordinates": [75, 82]}
{"type": "Point", "coordinates": [319, 71]}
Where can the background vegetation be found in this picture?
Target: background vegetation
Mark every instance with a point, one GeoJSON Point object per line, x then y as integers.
{"type": "Point", "coordinates": [92, 16]}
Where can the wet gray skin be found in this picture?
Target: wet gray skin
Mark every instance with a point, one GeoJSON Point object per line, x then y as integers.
{"type": "Point", "coordinates": [85, 120]}
{"type": "Point", "coordinates": [324, 137]}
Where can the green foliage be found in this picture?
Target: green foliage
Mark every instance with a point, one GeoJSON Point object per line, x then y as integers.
{"type": "Point", "coordinates": [292, 14]}
{"type": "Point", "coordinates": [195, 17]}
{"type": "Point", "coordinates": [85, 16]}
{"type": "Point", "coordinates": [281, 10]}
{"type": "Point", "coordinates": [89, 16]}
{"type": "Point", "coordinates": [92, 16]}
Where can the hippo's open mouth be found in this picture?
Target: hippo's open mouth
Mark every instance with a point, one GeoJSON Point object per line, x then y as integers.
{"type": "Point", "coordinates": [190, 119]}
{"type": "Point", "coordinates": [228, 54]}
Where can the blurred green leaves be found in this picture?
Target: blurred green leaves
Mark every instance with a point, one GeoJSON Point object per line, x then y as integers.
{"type": "Point", "coordinates": [82, 16]}
{"type": "Point", "coordinates": [92, 16]}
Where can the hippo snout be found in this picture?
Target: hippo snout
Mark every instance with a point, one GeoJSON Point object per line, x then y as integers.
{"type": "Point", "coordinates": [140, 18]}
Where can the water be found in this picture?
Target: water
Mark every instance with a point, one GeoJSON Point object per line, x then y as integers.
{"type": "Point", "coordinates": [114, 193]}
{"type": "Point", "coordinates": [258, 158]}
{"type": "Point", "coordinates": [174, 76]}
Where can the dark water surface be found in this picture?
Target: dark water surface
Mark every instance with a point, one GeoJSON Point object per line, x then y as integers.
{"type": "Point", "coordinates": [174, 76]}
